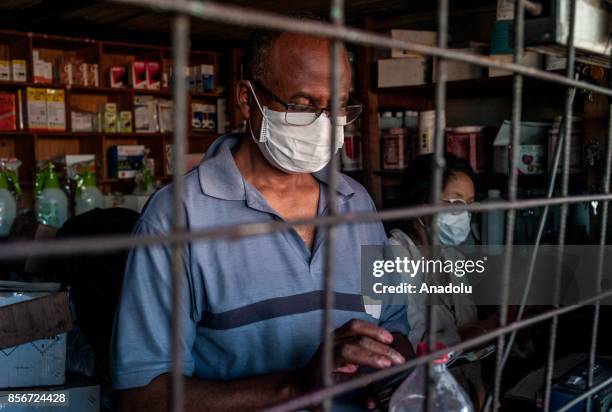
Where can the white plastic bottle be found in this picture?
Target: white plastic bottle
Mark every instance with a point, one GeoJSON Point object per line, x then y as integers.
{"type": "Point", "coordinates": [8, 206]}
{"type": "Point", "coordinates": [88, 196]}
{"type": "Point", "coordinates": [493, 225]}
{"type": "Point", "coordinates": [448, 395]}
{"type": "Point", "coordinates": [51, 201]}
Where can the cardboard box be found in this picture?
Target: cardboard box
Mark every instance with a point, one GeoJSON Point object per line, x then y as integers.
{"type": "Point", "coordinates": [530, 59]}
{"type": "Point", "coordinates": [93, 78]}
{"type": "Point", "coordinates": [8, 112]}
{"type": "Point", "coordinates": [81, 121]}
{"type": "Point", "coordinates": [124, 161]}
{"type": "Point", "coordinates": [66, 71]}
{"type": "Point", "coordinates": [36, 361]}
{"type": "Point", "coordinates": [81, 75]}
{"type": "Point", "coordinates": [43, 71]}
{"type": "Point", "coordinates": [125, 121]}
{"type": "Point", "coordinates": [427, 38]}
{"type": "Point", "coordinates": [83, 396]}
{"type": "Point", "coordinates": [145, 114]}
{"type": "Point", "coordinates": [153, 76]}
{"type": "Point", "coordinates": [205, 78]}
{"type": "Point", "coordinates": [37, 108]}
{"type": "Point", "coordinates": [410, 71]}
{"type": "Point", "coordinates": [138, 75]}
{"type": "Point", "coordinates": [18, 70]}
{"type": "Point", "coordinates": [532, 149]}
{"type": "Point", "coordinates": [164, 116]}
{"type": "Point", "coordinates": [5, 70]}
{"type": "Point", "coordinates": [110, 122]}
{"type": "Point", "coordinates": [70, 160]}
{"type": "Point", "coordinates": [56, 109]}
{"type": "Point", "coordinates": [118, 77]}
{"type": "Point", "coordinates": [204, 117]}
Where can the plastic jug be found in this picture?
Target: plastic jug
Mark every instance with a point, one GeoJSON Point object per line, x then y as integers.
{"type": "Point", "coordinates": [51, 201]}
{"type": "Point", "coordinates": [8, 204]}
{"type": "Point", "coordinates": [88, 196]}
{"type": "Point", "coordinates": [448, 395]}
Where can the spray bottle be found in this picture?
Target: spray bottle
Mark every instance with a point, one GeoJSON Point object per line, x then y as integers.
{"type": "Point", "coordinates": [88, 196]}
{"type": "Point", "coordinates": [51, 201]}
{"type": "Point", "coordinates": [8, 203]}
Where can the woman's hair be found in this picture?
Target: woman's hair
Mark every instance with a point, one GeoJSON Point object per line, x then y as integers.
{"type": "Point", "coordinates": [417, 182]}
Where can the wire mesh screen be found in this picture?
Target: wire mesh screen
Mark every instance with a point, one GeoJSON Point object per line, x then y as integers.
{"type": "Point", "coordinates": [186, 11]}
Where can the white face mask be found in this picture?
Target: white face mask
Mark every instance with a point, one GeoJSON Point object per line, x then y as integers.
{"type": "Point", "coordinates": [453, 229]}
{"type": "Point", "coordinates": [295, 149]}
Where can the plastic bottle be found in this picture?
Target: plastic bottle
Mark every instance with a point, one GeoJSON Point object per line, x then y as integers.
{"type": "Point", "coordinates": [448, 395]}
{"type": "Point", "coordinates": [51, 201]}
{"type": "Point", "coordinates": [88, 196]}
{"type": "Point", "coordinates": [8, 204]}
{"type": "Point", "coordinates": [493, 225]}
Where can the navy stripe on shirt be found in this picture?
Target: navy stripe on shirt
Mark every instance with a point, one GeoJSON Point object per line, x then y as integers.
{"type": "Point", "coordinates": [277, 307]}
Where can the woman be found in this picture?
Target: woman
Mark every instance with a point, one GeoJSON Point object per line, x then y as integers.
{"type": "Point", "coordinates": [456, 316]}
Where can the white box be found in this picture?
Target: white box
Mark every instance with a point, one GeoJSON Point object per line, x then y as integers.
{"type": "Point", "coordinates": [37, 363]}
{"type": "Point", "coordinates": [530, 59]}
{"type": "Point", "coordinates": [427, 38]}
{"type": "Point", "coordinates": [532, 149]}
{"type": "Point", "coordinates": [145, 114]}
{"type": "Point", "coordinates": [410, 71]}
{"type": "Point", "coordinates": [456, 70]}
{"type": "Point", "coordinates": [505, 10]}
{"type": "Point", "coordinates": [18, 70]}
{"type": "Point", "coordinates": [81, 121]}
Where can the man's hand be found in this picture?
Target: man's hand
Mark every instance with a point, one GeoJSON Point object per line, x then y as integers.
{"type": "Point", "coordinates": [356, 344]}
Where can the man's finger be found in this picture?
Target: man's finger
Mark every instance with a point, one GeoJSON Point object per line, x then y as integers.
{"type": "Point", "coordinates": [358, 327]}
{"type": "Point", "coordinates": [381, 349]}
{"type": "Point", "coordinates": [353, 353]}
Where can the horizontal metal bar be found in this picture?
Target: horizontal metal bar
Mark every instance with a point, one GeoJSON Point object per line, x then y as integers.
{"type": "Point", "coordinates": [243, 16]}
{"type": "Point", "coordinates": [99, 244]}
{"type": "Point", "coordinates": [359, 382]}
{"type": "Point", "coordinates": [584, 395]}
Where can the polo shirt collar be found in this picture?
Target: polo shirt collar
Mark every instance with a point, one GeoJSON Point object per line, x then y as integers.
{"type": "Point", "coordinates": [220, 178]}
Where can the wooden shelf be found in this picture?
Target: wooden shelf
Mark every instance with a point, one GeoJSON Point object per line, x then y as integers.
{"type": "Point", "coordinates": [32, 146]}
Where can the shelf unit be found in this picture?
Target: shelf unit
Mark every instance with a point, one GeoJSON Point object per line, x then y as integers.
{"type": "Point", "coordinates": [33, 146]}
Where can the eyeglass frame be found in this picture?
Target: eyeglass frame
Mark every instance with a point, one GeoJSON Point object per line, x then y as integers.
{"type": "Point", "coordinates": [319, 110]}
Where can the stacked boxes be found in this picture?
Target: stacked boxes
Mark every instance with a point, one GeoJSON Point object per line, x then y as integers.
{"type": "Point", "coordinates": [46, 109]}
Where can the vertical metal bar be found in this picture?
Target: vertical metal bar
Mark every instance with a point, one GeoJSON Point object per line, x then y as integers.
{"type": "Point", "coordinates": [337, 17]}
{"type": "Point", "coordinates": [517, 100]}
{"type": "Point", "coordinates": [437, 187]}
{"type": "Point", "coordinates": [571, 55]}
{"type": "Point", "coordinates": [180, 50]}
{"type": "Point", "coordinates": [602, 244]}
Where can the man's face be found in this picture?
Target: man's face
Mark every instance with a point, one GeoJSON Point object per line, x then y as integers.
{"type": "Point", "coordinates": [298, 70]}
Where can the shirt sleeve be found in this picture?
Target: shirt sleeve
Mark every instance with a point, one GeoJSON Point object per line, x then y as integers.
{"type": "Point", "coordinates": [141, 345]}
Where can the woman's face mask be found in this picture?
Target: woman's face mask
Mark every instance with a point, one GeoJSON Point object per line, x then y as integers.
{"type": "Point", "coordinates": [295, 149]}
{"type": "Point", "coordinates": [453, 228]}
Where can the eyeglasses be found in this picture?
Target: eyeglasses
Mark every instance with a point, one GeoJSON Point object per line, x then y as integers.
{"type": "Point", "coordinates": [304, 115]}
{"type": "Point", "coordinates": [458, 202]}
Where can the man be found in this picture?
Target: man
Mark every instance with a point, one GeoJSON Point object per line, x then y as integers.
{"type": "Point", "coordinates": [251, 313]}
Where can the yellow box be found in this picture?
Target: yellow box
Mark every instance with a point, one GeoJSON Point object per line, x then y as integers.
{"type": "Point", "coordinates": [56, 109]}
{"type": "Point", "coordinates": [37, 108]}
{"type": "Point", "coordinates": [125, 121]}
{"type": "Point", "coordinates": [110, 122]}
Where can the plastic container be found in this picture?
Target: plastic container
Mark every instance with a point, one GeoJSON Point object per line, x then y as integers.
{"type": "Point", "coordinates": [8, 204]}
{"type": "Point", "coordinates": [51, 201]}
{"type": "Point", "coordinates": [448, 395]}
{"type": "Point", "coordinates": [88, 196]}
{"type": "Point", "coordinates": [8, 207]}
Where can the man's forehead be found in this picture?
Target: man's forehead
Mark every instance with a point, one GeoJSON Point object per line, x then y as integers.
{"type": "Point", "coordinates": [305, 60]}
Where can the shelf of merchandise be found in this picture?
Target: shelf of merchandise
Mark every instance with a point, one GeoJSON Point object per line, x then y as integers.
{"type": "Point", "coordinates": [33, 146]}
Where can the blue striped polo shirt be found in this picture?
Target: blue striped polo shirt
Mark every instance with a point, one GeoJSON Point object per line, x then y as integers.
{"type": "Point", "coordinates": [249, 306]}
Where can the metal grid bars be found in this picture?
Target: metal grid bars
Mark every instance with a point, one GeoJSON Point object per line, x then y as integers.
{"type": "Point", "coordinates": [185, 10]}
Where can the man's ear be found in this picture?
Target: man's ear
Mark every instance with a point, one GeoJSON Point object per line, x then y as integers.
{"type": "Point", "coordinates": [243, 98]}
